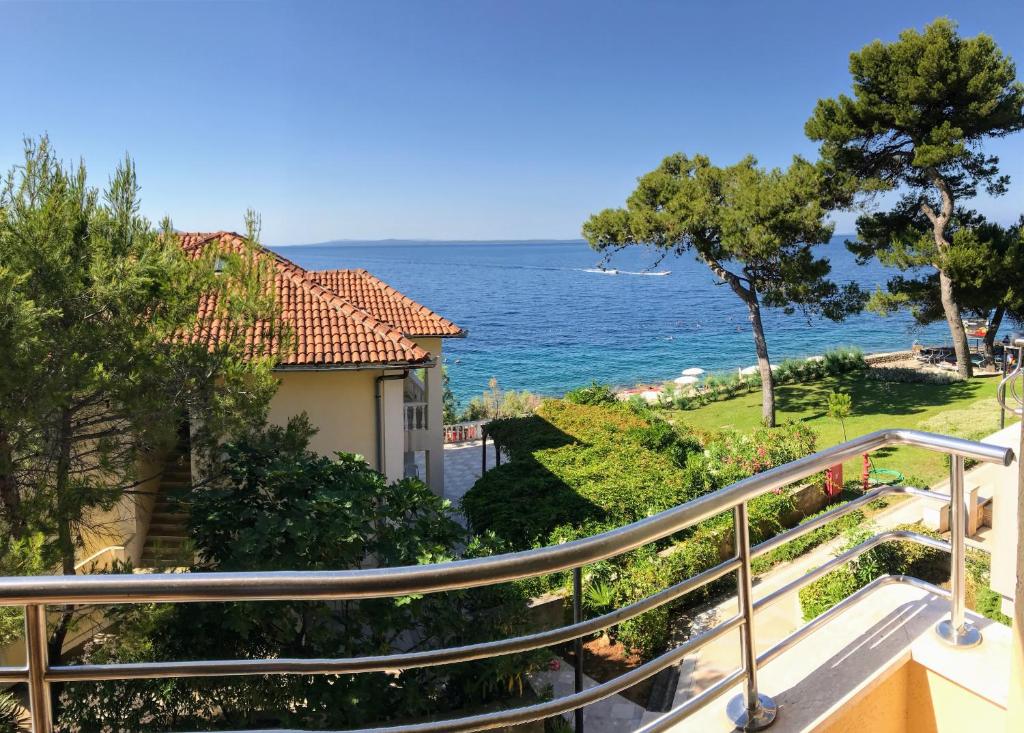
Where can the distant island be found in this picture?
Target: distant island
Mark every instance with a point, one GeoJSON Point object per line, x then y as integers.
{"type": "Point", "coordinates": [406, 242]}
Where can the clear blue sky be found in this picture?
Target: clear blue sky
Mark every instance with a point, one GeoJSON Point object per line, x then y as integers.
{"type": "Point", "coordinates": [464, 120]}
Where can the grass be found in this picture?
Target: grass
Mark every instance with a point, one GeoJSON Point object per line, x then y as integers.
{"type": "Point", "coordinates": [876, 405]}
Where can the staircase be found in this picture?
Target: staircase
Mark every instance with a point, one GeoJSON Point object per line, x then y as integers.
{"type": "Point", "coordinates": [167, 544]}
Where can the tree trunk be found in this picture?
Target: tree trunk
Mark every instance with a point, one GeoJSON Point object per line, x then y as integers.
{"type": "Point", "coordinates": [763, 364]}
{"type": "Point", "coordinates": [748, 295]}
{"type": "Point", "coordinates": [988, 344]}
{"type": "Point", "coordinates": [65, 531]}
{"type": "Point", "coordinates": [949, 305]}
{"type": "Point", "coordinates": [956, 327]}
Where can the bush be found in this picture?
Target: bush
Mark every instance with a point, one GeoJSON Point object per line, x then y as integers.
{"type": "Point", "coordinates": [595, 394]}
{"type": "Point", "coordinates": [19, 557]}
{"type": "Point", "coordinates": [725, 386]}
{"type": "Point", "coordinates": [892, 558]}
{"type": "Point", "coordinates": [985, 600]}
{"type": "Point", "coordinates": [496, 402]}
{"type": "Point", "coordinates": [801, 545]}
{"type": "Point", "coordinates": [279, 506]}
{"type": "Point", "coordinates": [578, 465]}
{"type": "Point", "coordinates": [11, 714]}
{"type": "Point", "coordinates": [578, 470]}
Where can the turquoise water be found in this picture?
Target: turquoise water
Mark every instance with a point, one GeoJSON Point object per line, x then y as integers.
{"type": "Point", "coordinates": [538, 321]}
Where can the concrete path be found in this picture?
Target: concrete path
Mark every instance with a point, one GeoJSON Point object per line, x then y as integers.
{"type": "Point", "coordinates": [720, 657]}
{"type": "Point", "coordinates": [615, 714]}
{"type": "Point", "coordinates": [462, 468]}
{"type": "Point", "coordinates": [774, 623]}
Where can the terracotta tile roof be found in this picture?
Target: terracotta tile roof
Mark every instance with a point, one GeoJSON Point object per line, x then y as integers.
{"type": "Point", "coordinates": [325, 329]}
{"type": "Point", "coordinates": [385, 303]}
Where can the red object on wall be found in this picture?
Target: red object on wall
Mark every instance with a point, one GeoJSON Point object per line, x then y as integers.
{"type": "Point", "coordinates": [834, 479]}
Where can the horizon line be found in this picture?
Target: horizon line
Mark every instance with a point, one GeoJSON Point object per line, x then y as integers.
{"type": "Point", "coordinates": [435, 240]}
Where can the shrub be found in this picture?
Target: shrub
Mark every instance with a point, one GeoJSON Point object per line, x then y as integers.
{"type": "Point", "coordinates": [577, 464]}
{"type": "Point", "coordinates": [595, 394]}
{"type": "Point", "coordinates": [11, 714]}
{"type": "Point", "coordinates": [725, 386]}
{"type": "Point", "coordinates": [277, 505]}
{"type": "Point", "coordinates": [496, 403]}
{"type": "Point", "coordinates": [985, 600]}
{"type": "Point", "coordinates": [19, 557]}
{"type": "Point", "coordinates": [893, 558]}
{"type": "Point", "coordinates": [578, 470]}
{"type": "Point", "coordinates": [797, 547]}
{"type": "Point", "coordinates": [842, 360]}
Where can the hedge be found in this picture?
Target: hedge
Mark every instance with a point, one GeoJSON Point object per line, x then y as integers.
{"type": "Point", "coordinates": [602, 466]}
{"type": "Point", "coordinates": [892, 558]}
{"type": "Point", "coordinates": [573, 464]}
{"type": "Point", "coordinates": [578, 469]}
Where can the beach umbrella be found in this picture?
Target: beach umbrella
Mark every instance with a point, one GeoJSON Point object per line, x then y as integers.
{"type": "Point", "coordinates": [685, 380]}
{"type": "Point", "coordinates": [693, 372]}
{"type": "Point", "coordinates": [650, 395]}
{"type": "Point", "coordinates": [749, 370]}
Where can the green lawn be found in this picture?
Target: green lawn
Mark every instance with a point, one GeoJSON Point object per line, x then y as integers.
{"type": "Point", "coordinates": [967, 409]}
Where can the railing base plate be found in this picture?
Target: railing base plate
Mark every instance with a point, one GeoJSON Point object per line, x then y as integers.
{"type": "Point", "coordinates": [968, 635]}
{"type": "Point", "coordinates": [748, 720]}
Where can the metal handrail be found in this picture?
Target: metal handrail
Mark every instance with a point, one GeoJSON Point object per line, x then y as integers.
{"type": "Point", "coordinates": [752, 710]}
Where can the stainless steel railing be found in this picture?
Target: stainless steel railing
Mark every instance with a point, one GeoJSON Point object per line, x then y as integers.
{"type": "Point", "coordinates": [752, 710]}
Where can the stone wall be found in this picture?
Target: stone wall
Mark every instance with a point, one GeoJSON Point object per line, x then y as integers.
{"type": "Point", "coordinates": [888, 357]}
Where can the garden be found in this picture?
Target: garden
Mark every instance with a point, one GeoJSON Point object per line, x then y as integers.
{"type": "Point", "coordinates": [589, 463]}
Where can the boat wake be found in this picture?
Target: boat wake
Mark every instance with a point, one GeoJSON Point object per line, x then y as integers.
{"type": "Point", "coordinates": [600, 271]}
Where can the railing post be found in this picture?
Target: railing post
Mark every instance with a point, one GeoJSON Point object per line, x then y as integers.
{"type": "Point", "coordinates": [577, 617]}
{"type": "Point", "coordinates": [956, 630]}
{"type": "Point", "coordinates": [749, 710]}
{"type": "Point", "coordinates": [38, 687]}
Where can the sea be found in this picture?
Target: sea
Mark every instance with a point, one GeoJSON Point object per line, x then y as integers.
{"type": "Point", "coordinates": [542, 315]}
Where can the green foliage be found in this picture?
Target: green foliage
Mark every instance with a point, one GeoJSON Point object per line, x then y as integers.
{"type": "Point", "coordinates": [498, 403]}
{"type": "Point", "coordinates": [96, 301]}
{"type": "Point", "coordinates": [892, 132]}
{"type": "Point", "coordinates": [892, 135]}
{"type": "Point", "coordinates": [576, 464]}
{"type": "Point", "coordinates": [892, 558]}
{"type": "Point", "coordinates": [19, 556]}
{"type": "Point", "coordinates": [279, 506]}
{"type": "Point", "coordinates": [840, 407]}
{"type": "Point", "coordinates": [577, 470]}
{"type": "Point", "coordinates": [985, 600]}
{"type": "Point", "coordinates": [717, 387]}
{"type": "Point", "coordinates": [449, 405]}
{"type": "Point", "coordinates": [11, 714]}
{"type": "Point", "coordinates": [599, 597]}
{"type": "Point", "coordinates": [594, 394]}
{"type": "Point", "coordinates": [801, 545]}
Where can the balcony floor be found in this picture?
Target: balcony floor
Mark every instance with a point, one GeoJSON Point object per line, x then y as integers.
{"type": "Point", "coordinates": [859, 649]}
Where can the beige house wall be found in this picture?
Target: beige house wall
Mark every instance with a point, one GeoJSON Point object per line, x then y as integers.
{"type": "Point", "coordinates": [1004, 518]}
{"type": "Point", "coordinates": [342, 405]}
{"type": "Point", "coordinates": [433, 440]}
{"type": "Point", "coordinates": [915, 699]}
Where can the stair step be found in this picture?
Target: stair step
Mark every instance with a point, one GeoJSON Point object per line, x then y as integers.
{"type": "Point", "coordinates": [165, 540]}
{"type": "Point", "coordinates": [169, 518]}
{"type": "Point", "coordinates": [167, 528]}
